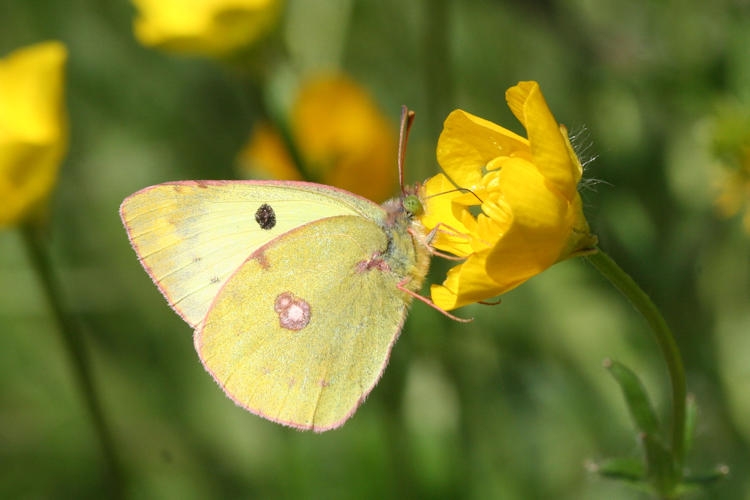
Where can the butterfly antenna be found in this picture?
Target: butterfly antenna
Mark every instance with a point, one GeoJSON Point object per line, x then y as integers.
{"type": "Point", "coordinates": [407, 118]}
{"type": "Point", "coordinates": [459, 189]}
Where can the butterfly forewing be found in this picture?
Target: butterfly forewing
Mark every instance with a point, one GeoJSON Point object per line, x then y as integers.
{"type": "Point", "coordinates": [191, 236]}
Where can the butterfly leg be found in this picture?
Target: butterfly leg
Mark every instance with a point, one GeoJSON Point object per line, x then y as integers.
{"type": "Point", "coordinates": [430, 303]}
{"type": "Point", "coordinates": [448, 230]}
{"type": "Point", "coordinates": [427, 242]}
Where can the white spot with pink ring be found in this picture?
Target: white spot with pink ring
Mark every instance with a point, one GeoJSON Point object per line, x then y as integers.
{"type": "Point", "coordinates": [294, 312]}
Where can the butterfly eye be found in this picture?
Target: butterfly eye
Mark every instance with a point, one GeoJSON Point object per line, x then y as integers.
{"type": "Point", "coordinates": [413, 206]}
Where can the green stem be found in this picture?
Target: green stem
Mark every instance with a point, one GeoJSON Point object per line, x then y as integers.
{"type": "Point", "coordinates": [671, 353]}
{"type": "Point", "coordinates": [77, 355]}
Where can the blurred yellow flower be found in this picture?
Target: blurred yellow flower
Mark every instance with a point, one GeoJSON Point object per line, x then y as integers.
{"type": "Point", "coordinates": [265, 155]}
{"type": "Point", "coordinates": [531, 214]}
{"type": "Point", "coordinates": [734, 196]}
{"type": "Point", "coordinates": [33, 127]}
{"type": "Point", "coordinates": [731, 148]}
{"type": "Point", "coordinates": [204, 27]}
{"type": "Point", "coordinates": [340, 134]}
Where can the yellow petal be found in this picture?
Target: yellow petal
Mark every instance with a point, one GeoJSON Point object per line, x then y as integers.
{"type": "Point", "coordinates": [440, 207]}
{"type": "Point", "coordinates": [467, 283]}
{"type": "Point", "coordinates": [539, 228]}
{"type": "Point", "coordinates": [468, 143]}
{"type": "Point", "coordinates": [206, 27]}
{"type": "Point", "coordinates": [548, 147]}
{"type": "Point", "coordinates": [33, 127]}
{"type": "Point", "coordinates": [488, 230]}
{"type": "Point", "coordinates": [31, 92]}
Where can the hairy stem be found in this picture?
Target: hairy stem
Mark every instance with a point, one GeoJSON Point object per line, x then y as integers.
{"type": "Point", "coordinates": [671, 353]}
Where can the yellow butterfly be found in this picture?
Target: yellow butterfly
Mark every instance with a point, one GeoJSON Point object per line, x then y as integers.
{"type": "Point", "coordinates": [297, 291]}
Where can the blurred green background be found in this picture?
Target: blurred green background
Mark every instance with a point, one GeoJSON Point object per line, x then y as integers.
{"type": "Point", "coordinates": [510, 406]}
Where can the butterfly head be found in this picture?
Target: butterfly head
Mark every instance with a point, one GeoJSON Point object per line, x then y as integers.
{"type": "Point", "coordinates": [412, 206]}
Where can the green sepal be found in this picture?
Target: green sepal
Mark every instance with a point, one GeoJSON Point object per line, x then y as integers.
{"type": "Point", "coordinates": [635, 397]}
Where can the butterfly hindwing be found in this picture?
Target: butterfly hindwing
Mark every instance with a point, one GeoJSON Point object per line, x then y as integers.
{"type": "Point", "coordinates": [301, 332]}
{"type": "Point", "coordinates": [191, 236]}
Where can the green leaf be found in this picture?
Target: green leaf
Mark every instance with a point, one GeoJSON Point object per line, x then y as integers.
{"type": "Point", "coordinates": [635, 397]}
{"type": "Point", "coordinates": [705, 478]}
{"type": "Point", "coordinates": [629, 469]}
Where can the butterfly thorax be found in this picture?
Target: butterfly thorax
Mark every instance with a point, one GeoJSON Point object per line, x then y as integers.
{"type": "Point", "coordinates": [407, 254]}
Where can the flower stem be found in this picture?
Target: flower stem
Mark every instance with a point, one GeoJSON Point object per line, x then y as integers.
{"type": "Point", "coordinates": [671, 353]}
{"type": "Point", "coordinates": [76, 352]}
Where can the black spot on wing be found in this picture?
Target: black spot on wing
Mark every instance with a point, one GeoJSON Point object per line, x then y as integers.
{"type": "Point", "coordinates": [265, 216]}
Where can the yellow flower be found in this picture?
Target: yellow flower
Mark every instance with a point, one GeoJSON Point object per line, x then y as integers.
{"type": "Point", "coordinates": [340, 134]}
{"type": "Point", "coordinates": [33, 127]}
{"type": "Point", "coordinates": [265, 156]}
{"type": "Point", "coordinates": [524, 192]}
{"type": "Point", "coordinates": [734, 196]}
{"type": "Point", "coordinates": [731, 147]}
{"type": "Point", "coordinates": [204, 27]}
